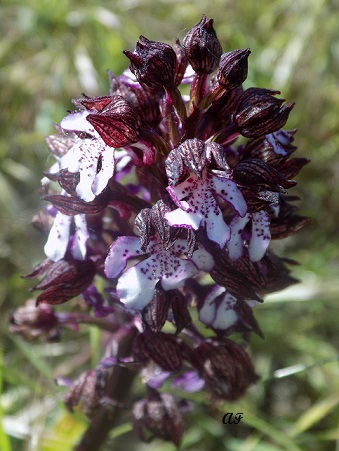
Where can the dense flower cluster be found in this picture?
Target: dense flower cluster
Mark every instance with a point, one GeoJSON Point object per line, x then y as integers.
{"type": "Point", "coordinates": [157, 199]}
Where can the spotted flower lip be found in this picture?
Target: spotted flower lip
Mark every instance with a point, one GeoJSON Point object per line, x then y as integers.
{"type": "Point", "coordinates": [219, 315]}
{"type": "Point", "coordinates": [259, 239]}
{"type": "Point", "coordinates": [222, 311]}
{"type": "Point", "coordinates": [135, 287]}
{"type": "Point", "coordinates": [60, 238]}
{"type": "Point", "coordinates": [201, 207]}
{"type": "Point", "coordinates": [90, 156]}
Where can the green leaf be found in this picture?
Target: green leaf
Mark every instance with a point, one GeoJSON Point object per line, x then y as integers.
{"type": "Point", "coordinates": [314, 414]}
{"type": "Point", "coordinates": [276, 435]}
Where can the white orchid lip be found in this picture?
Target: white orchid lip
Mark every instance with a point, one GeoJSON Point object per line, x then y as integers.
{"type": "Point", "coordinates": [60, 237]}
{"type": "Point", "coordinates": [200, 209]}
{"type": "Point", "coordinates": [136, 286]}
{"type": "Point", "coordinates": [90, 156]}
{"type": "Point", "coordinates": [259, 240]}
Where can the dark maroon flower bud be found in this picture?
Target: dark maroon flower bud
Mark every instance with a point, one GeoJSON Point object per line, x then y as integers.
{"type": "Point", "coordinates": [282, 227]}
{"type": "Point", "coordinates": [163, 349]}
{"type": "Point", "coordinates": [153, 63]}
{"type": "Point", "coordinates": [202, 47]}
{"type": "Point", "coordinates": [233, 68]}
{"type": "Point", "coordinates": [273, 148]}
{"type": "Point", "coordinates": [219, 115]}
{"type": "Point", "coordinates": [226, 368]}
{"type": "Point", "coordinates": [118, 123]}
{"type": "Point", "coordinates": [242, 278]}
{"type": "Point", "coordinates": [292, 167]}
{"type": "Point", "coordinates": [276, 272]}
{"type": "Point", "coordinates": [159, 415]}
{"type": "Point", "coordinates": [87, 392]}
{"type": "Point", "coordinates": [64, 280]}
{"type": "Point", "coordinates": [260, 113]}
{"type": "Point", "coordinates": [259, 175]}
{"type": "Point", "coordinates": [34, 322]}
{"type": "Point", "coordinates": [286, 223]}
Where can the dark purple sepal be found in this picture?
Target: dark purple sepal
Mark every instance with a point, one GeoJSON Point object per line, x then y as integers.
{"type": "Point", "coordinates": [68, 181]}
{"type": "Point", "coordinates": [175, 168]}
{"type": "Point", "coordinates": [33, 322]}
{"type": "Point", "coordinates": [87, 392]}
{"type": "Point", "coordinates": [158, 212]}
{"type": "Point", "coordinates": [226, 368]}
{"type": "Point", "coordinates": [158, 415]}
{"type": "Point", "coordinates": [96, 104]}
{"type": "Point", "coordinates": [285, 226]}
{"type": "Point", "coordinates": [39, 269]}
{"type": "Point", "coordinates": [292, 167]}
{"type": "Point", "coordinates": [70, 205]}
{"type": "Point", "coordinates": [246, 317]}
{"type": "Point", "coordinates": [118, 123]}
{"type": "Point", "coordinates": [181, 315]}
{"type": "Point", "coordinates": [143, 224]}
{"type": "Point", "coordinates": [163, 349]}
{"type": "Point", "coordinates": [276, 273]}
{"type": "Point", "coordinates": [242, 278]}
{"type": "Point", "coordinates": [60, 144]}
{"type": "Point", "coordinates": [64, 280]}
{"type": "Point", "coordinates": [258, 175]}
{"type": "Point", "coordinates": [154, 315]}
{"type": "Point", "coordinates": [260, 113]}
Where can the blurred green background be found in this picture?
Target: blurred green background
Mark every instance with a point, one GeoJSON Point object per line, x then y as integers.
{"type": "Point", "coordinates": [52, 51]}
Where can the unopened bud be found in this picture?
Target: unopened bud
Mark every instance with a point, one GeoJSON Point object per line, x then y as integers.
{"type": "Point", "coordinates": [202, 47]}
{"type": "Point", "coordinates": [34, 322]}
{"type": "Point", "coordinates": [259, 112]}
{"type": "Point", "coordinates": [87, 392]}
{"type": "Point", "coordinates": [158, 414]}
{"type": "Point", "coordinates": [233, 68]}
{"type": "Point", "coordinates": [153, 63]}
